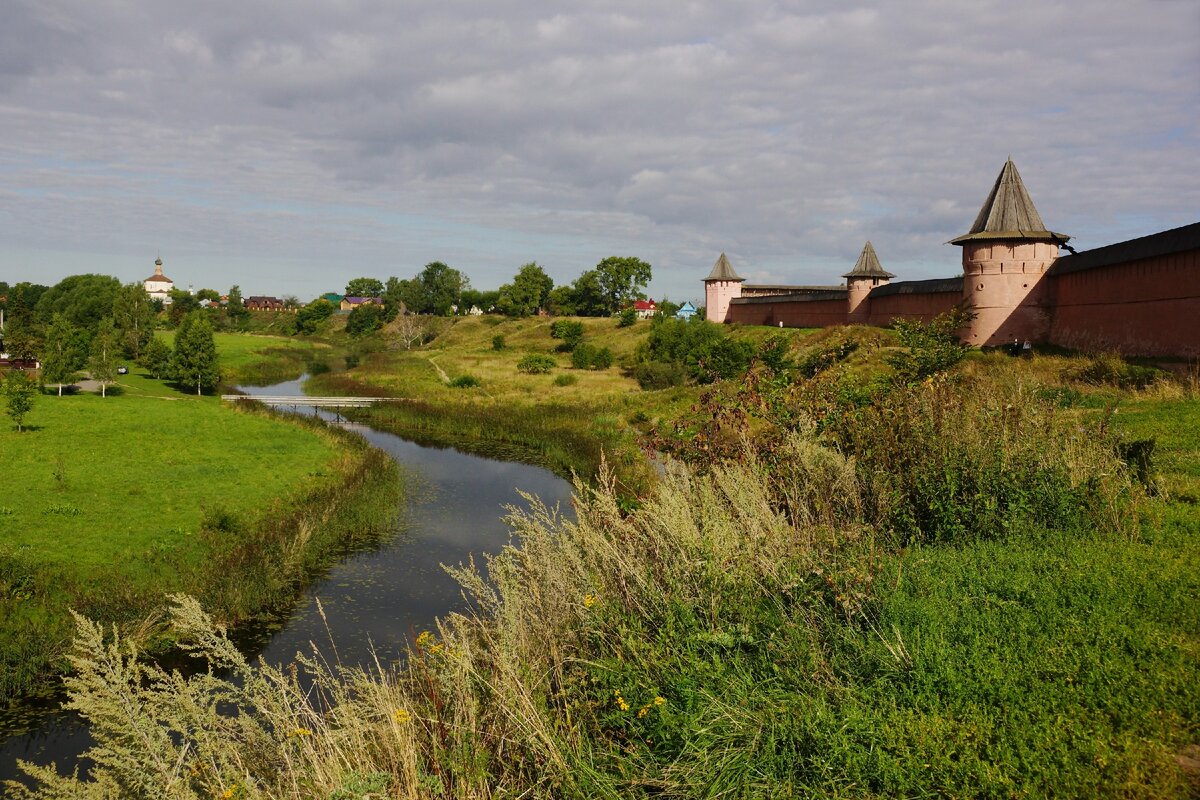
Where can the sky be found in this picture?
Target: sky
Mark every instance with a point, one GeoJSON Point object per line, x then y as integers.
{"type": "Point", "coordinates": [290, 146]}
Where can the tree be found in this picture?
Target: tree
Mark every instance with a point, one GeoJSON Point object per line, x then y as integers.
{"type": "Point", "coordinates": [485, 300]}
{"type": "Point", "coordinates": [60, 353]}
{"type": "Point", "coordinates": [19, 391]}
{"type": "Point", "coordinates": [133, 316]}
{"type": "Point", "coordinates": [21, 339]}
{"type": "Point", "coordinates": [400, 296]}
{"type": "Point", "coordinates": [182, 304]}
{"type": "Point", "coordinates": [622, 279]}
{"type": "Point", "coordinates": [312, 315]}
{"type": "Point", "coordinates": [156, 357]}
{"type": "Point", "coordinates": [527, 293]}
{"type": "Point", "coordinates": [82, 299]}
{"type": "Point", "coordinates": [441, 288]}
{"type": "Point", "coordinates": [364, 287]}
{"type": "Point", "coordinates": [195, 359]}
{"type": "Point", "coordinates": [587, 295]}
{"type": "Point", "coordinates": [102, 363]}
{"type": "Point", "coordinates": [364, 319]}
{"type": "Point", "coordinates": [235, 309]}
{"type": "Point", "coordinates": [410, 329]}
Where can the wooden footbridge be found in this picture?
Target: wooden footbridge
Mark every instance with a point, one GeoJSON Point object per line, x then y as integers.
{"type": "Point", "coordinates": [301, 401]}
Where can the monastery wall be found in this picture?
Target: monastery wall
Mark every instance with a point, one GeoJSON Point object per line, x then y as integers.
{"type": "Point", "coordinates": [793, 313]}
{"type": "Point", "coordinates": [923, 307]}
{"type": "Point", "coordinates": [1147, 306]}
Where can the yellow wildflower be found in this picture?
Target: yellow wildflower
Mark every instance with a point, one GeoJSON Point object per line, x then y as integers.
{"type": "Point", "coordinates": [660, 701]}
{"type": "Point", "coordinates": [424, 638]}
{"type": "Point", "coordinates": [643, 711]}
{"type": "Point", "coordinates": [589, 600]}
{"type": "Point", "coordinates": [435, 649]}
{"type": "Point", "coordinates": [401, 715]}
{"type": "Point", "coordinates": [300, 732]}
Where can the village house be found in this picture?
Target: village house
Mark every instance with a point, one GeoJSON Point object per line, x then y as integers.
{"type": "Point", "coordinates": [263, 303]}
{"type": "Point", "coordinates": [645, 308]}
{"type": "Point", "coordinates": [351, 303]}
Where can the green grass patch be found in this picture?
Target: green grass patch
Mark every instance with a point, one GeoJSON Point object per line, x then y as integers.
{"type": "Point", "coordinates": [259, 359]}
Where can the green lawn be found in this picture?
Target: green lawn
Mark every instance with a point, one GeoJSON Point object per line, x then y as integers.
{"type": "Point", "coordinates": [102, 499]}
{"type": "Point", "coordinates": [258, 358]}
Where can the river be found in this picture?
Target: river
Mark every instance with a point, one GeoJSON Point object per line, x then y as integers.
{"type": "Point", "coordinates": [376, 599]}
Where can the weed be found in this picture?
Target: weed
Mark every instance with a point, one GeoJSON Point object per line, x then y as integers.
{"type": "Point", "coordinates": [536, 364]}
{"type": "Point", "coordinates": [465, 382]}
{"type": "Point", "coordinates": [565, 380]}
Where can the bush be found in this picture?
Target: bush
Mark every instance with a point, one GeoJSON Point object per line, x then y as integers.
{"type": "Point", "coordinates": [1109, 369]}
{"type": "Point", "coordinates": [498, 342]}
{"type": "Point", "coordinates": [465, 382]}
{"type": "Point", "coordinates": [536, 364]}
{"type": "Point", "coordinates": [659, 375]}
{"type": "Point", "coordinates": [702, 349]}
{"type": "Point", "coordinates": [626, 318]}
{"type": "Point", "coordinates": [569, 331]}
{"type": "Point", "coordinates": [565, 380]}
{"type": "Point", "coordinates": [364, 319]}
{"type": "Point", "coordinates": [931, 347]}
{"type": "Point", "coordinates": [588, 356]}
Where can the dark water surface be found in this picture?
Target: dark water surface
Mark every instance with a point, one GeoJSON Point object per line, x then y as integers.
{"type": "Point", "coordinates": [374, 599]}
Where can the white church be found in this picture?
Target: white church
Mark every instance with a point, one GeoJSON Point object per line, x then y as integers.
{"type": "Point", "coordinates": [159, 286]}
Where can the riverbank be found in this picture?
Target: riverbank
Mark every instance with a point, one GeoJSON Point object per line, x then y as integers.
{"type": "Point", "coordinates": [111, 503]}
{"type": "Point", "coordinates": [977, 583]}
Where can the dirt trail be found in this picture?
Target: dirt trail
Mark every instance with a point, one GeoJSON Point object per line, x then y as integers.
{"type": "Point", "coordinates": [441, 372]}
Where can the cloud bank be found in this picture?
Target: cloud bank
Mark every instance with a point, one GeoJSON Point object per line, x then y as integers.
{"type": "Point", "coordinates": [290, 146]}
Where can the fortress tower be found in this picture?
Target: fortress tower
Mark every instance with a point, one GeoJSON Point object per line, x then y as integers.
{"type": "Point", "coordinates": [866, 275]}
{"type": "Point", "coordinates": [1005, 258]}
{"type": "Point", "coordinates": [721, 286]}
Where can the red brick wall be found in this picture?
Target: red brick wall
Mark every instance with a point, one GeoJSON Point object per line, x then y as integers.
{"type": "Point", "coordinates": [1145, 307]}
{"type": "Point", "coordinates": [911, 306]}
{"type": "Point", "coordinates": [812, 314]}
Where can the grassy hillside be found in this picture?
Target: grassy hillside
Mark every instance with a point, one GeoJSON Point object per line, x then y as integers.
{"type": "Point", "coordinates": [258, 359]}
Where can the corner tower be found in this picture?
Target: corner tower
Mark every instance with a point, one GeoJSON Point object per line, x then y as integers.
{"type": "Point", "coordinates": [866, 275]}
{"type": "Point", "coordinates": [1005, 258]}
{"type": "Point", "coordinates": [721, 286]}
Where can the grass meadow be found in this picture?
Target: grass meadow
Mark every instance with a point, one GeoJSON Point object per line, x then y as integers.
{"type": "Point", "coordinates": [261, 359]}
{"type": "Point", "coordinates": [108, 503]}
{"type": "Point", "coordinates": [982, 584]}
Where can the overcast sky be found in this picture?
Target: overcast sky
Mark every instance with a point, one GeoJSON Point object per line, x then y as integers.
{"type": "Point", "coordinates": [290, 146]}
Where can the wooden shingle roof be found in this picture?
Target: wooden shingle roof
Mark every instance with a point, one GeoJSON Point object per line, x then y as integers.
{"type": "Point", "coordinates": [723, 271]}
{"type": "Point", "coordinates": [1009, 213]}
{"type": "Point", "coordinates": [868, 265]}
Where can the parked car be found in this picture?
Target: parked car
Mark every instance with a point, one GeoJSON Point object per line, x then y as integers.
{"type": "Point", "coordinates": [122, 370]}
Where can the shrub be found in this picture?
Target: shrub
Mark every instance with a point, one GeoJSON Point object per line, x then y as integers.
{"type": "Point", "coordinates": [364, 319]}
{"type": "Point", "coordinates": [498, 342]}
{"type": "Point", "coordinates": [465, 382]}
{"type": "Point", "coordinates": [565, 380]}
{"type": "Point", "coordinates": [659, 375]}
{"type": "Point", "coordinates": [588, 356]}
{"type": "Point", "coordinates": [1109, 369]}
{"type": "Point", "coordinates": [825, 357]}
{"type": "Point", "coordinates": [536, 364]}
{"type": "Point", "coordinates": [703, 349]}
{"type": "Point", "coordinates": [569, 331]}
{"type": "Point", "coordinates": [930, 347]}
{"type": "Point", "coordinates": [626, 318]}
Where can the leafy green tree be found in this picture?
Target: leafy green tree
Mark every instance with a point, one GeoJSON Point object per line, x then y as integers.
{"type": "Point", "coordinates": [133, 316]}
{"type": "Point", "coordinates": [211, 295]}
{"type": "Point", "coordinates": [587, 296]}
{"type": "Point", "coordinates": [183, 303]}
{"type": "Point", "coordinates": [485, 300]}
{"type": "Point", "coordinates": [626, 318]}
{"type": "Point", "coordinates": [622, 279]}
{"type": "Point", "coordinates": [19, 391]}
{"type": "Point", "coordinates": [194, 362]}
{"type": "Point", "coordinates": [364, 287]}
{"type": "Point", "coordinates": [235, 308]}
{"type": "Point", "coordinates": [401, 296]}
{"type": "Point", "coordinates": [60, 353]}
{"type": "Point", "coordinates": [930, 347]}
{"type": "Point", "coordinates": [441, 288]}
{"type": "Point", "coordinates": [22, 299]}
{"type": "Point", "coordinates": [703, 349]}
{"type": "Point", "coordinates": [82, 299]}
{"type": "Point", "coordinates": [156, 357]}
{"type": "Point", "coordinates": [21, 339]}
{"type": "Point", "coordinates": [312, 315]}
{"type": "Point", "coordinates": [102, 362]}
{"type": "Point", "coordinates": [527, 293]}
{"type": "Point", "coordinates": [364, 319]}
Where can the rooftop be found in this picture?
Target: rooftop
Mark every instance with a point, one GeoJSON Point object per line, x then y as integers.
{"type": "Point", "coordinates": [1009, 213]}
{"type": "Point", "coordinates": [1156, 244]}
{"type": "Point", "coordinates": [868, 265]}
{"type": "Point", "coordinates": [723, 271]}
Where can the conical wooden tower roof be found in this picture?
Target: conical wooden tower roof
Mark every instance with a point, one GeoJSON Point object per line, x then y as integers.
{"type": "Point", "coordinates": [1009, 213]}
{"type": "Point", "coordinates": [868, 265]}
{"type": "Point", "coordinates": [723, 271]}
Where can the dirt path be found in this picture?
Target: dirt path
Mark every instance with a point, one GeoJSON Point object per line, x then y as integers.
{"type": "Point", "coordinates": [441, 372]}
